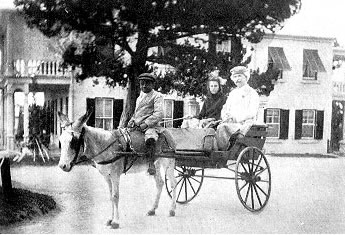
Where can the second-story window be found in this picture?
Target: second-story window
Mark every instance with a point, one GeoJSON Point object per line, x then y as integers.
{"type": "Point", "coordinates": [277, 60]}
{"type": "Point", "coordinates": [312, 64]}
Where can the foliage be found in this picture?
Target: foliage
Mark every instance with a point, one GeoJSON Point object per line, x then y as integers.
{"type": "Point", "coordinates": [263, 83]}
{"type": "Point", "coordinates": [112, 38]}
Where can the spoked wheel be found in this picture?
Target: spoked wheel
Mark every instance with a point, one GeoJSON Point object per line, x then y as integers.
{"type": "Point", "coordinates": [253, 179]}
{"type": "Point", "coordinates": [189, 181]}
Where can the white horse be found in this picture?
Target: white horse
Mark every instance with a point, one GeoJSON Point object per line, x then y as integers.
{"type": "Point", "coordinates": [102, 147]}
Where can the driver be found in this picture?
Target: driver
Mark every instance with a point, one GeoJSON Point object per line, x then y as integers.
{"type": "Point", "coordinates": [147, 115]}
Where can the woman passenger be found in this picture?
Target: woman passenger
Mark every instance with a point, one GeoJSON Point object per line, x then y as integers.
{"type": "Point", "coordinates": [211, 110]}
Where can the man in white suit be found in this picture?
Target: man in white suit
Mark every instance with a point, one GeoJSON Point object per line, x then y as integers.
{"type": "Point", "coordinates": [147, 115]}
{"type": "Point", "coordinates": [240, 110]}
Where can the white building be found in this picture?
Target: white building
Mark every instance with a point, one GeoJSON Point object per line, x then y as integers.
{"type": "Point", "coordinates": [299, 109]}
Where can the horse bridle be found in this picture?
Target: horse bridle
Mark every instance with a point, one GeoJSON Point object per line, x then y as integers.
{"type": "Point", "coordinates": [76, 144]}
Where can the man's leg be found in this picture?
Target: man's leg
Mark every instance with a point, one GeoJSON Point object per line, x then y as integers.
{"type": "Point", "coordinates": [151, 137]}
{"type": "Point", "coordinates": [150, 151]}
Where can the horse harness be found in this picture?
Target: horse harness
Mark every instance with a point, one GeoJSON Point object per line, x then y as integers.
{"type": "Point", "coordinates": [78, 143]}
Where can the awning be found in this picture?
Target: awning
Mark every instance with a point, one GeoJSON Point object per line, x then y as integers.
{"type": "Point", "coordinates": [311, 57]}
{"type": "Point", "coordinates": [278, 57]}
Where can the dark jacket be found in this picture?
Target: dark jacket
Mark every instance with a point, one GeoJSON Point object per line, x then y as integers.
{"type": "Point", "coordinates": [212, 106]}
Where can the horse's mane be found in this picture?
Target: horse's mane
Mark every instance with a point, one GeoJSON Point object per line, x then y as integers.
{"type": "Point", "coordinates": [98, 138]}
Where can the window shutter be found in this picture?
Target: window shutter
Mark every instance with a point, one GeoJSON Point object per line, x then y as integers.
{"type": "Point", "coordinates": [298, 124]}
{"type": "Point", "coordinates": [284, 124]}
{"type": "Point", "coordinates": [117, 112]}
{"type": "Point", "coordinates": [90, 106]}
{"type": "Point", "coordinates": [319, 125]}
{"type": "Point", "coordinates": [265, 115]}
{"type": "Point", "coordinates": [178, 113]}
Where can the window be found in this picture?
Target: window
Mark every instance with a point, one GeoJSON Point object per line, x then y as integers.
{"type": "Point", "coordinates": [278, 122]}
{"type": "Point", "coordinates": [103, 108]}
{"type": "Point", "coordinates": [173, 113]}
{"type": "Point", "coordinates": [309, 124]}
{"type": "Point", "coordinates": [272, 120]}
{"type": "Point", "coordinates": [104, 113]}
{"type": "Point", "coordinates": [277, 60]}
{"type": "Point", "coordinates": [223, 46]}
{"type": "Point", "coordinates": [312, 64]}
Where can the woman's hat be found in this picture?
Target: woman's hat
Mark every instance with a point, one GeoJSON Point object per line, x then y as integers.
{"type": "Point", "coordinates": [240, 70]}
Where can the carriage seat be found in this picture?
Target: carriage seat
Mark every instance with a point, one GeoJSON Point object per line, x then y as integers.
{"type": "Point", "coordinates": [190, 139]}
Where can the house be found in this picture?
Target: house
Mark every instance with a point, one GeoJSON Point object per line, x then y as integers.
{"type": "Point", "coordinates": [30, 63]}
{"type": "Point", "coordinates": [298, 111]}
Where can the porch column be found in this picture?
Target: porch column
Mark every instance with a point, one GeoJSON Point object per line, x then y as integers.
{"type": "Point", "coordinates": [1, 118]}
{"type": "Point", "coordinates": [9, 63]}
{"type": "Point", "coordinates": [10, 118]}
{"type": "Point", "coordinates": [26, 116]}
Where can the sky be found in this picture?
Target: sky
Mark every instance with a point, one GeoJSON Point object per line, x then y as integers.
{"type": "Point", "coordinates": [316, 18]}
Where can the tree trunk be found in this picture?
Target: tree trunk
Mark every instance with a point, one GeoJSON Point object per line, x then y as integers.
{"type": "Point", "coordinates": [236, 50]}
{"type": "Point", "coordinates": [212, 44]}
{"type": "Point", "coordinates": [137, 67]}
{"type": "Point", "coordinates": [6, 178]}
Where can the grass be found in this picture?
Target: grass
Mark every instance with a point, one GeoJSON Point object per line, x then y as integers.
{"type": "Point", "coordinates": [22, 205]}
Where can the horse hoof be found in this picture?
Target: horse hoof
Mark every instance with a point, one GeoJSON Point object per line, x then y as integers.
{"type": "Point", "coordinates": [172, 213]}
{"type": "Point", "coordinates": [108, 223]}
{"type": "Point", "coordinates": [151, 213]}
{"type": "Point", "coordinates": [115, 225]}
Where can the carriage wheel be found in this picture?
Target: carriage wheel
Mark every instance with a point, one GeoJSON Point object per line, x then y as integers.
{"type": "Point", "coordinates": [253, 179]}
{"type": "Point", "coordinates": [189, 181]}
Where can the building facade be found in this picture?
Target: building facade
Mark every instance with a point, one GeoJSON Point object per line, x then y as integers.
{"type": "Point", "coordinates": [298, 111]}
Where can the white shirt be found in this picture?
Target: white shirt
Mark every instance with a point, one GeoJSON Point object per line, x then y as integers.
{"type": "Point", "coordinates": [242, 104]}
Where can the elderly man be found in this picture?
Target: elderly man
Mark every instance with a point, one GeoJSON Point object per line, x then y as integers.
{"type": "Point", "coordinates": [239, 112]}
{"type": "Point", "coordinates": [147, 115]}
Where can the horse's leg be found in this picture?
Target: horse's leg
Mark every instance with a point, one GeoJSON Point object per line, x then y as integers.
{"type": "Point", "coordinates": [107, 179]}
{"type": "Point", "coordinates": [159, 186]}
{"type": "Point", "coordinates": [115, 182]}
{"type": "Point", "coordinates": [173, 182]}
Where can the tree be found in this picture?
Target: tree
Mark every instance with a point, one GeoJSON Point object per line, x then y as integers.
{"type": "Point", "coordinates": [117, 34]}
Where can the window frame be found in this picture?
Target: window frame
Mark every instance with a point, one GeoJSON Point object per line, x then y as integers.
{"type": "Point", "coordinates": [103, 117]}
{"type": "Point", "coordinates": [308, 123]}
{"type": "Point", "coordinates": [273, 123]}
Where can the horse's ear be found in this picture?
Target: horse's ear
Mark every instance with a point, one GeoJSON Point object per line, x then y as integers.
{"type": "Point", "coordinates": [64, 121]}
{"type": "Point", "coordinates": [83, 119]}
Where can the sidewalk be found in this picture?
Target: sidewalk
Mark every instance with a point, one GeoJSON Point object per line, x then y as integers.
{"type": "Point", "coordinates": [306, 155]}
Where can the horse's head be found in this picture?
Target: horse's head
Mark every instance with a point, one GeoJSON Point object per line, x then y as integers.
{"type": "Point", "coordinates": [71, 140]}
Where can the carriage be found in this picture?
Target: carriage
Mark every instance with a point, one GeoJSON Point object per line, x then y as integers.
{"type": "Point", "coordinates": [244, 160]}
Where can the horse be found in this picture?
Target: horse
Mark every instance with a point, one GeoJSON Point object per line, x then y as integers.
{"type": "Point", "coordinates": [102, 147]}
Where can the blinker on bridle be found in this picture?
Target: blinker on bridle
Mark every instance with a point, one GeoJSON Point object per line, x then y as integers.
{"type": "Point", "coordinates": [76, 144]}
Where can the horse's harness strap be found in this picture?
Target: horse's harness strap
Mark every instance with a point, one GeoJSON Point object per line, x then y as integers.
{"type": "Point", "coordinates": [129, 147]}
